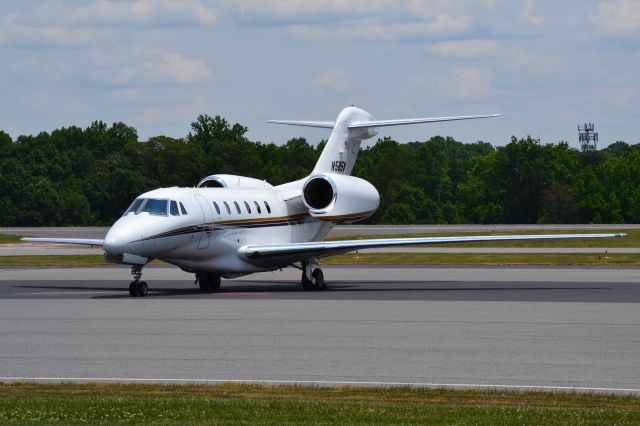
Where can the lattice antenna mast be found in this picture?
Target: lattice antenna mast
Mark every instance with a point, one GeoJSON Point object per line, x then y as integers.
{"type": "Point", "coordinates": [587, 137]}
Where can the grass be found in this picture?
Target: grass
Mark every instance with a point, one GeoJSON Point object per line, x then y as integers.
{"type": "Point", "coordinates": [10, 239]}
{"type": "Point", "coordinates": [484, 259]}
{"type": "Point", "coordinates": [54, 260]}
{"type": "Point", "coordinates": [254, 404]}
{"type": "Point", "coordinates": [632, 239]}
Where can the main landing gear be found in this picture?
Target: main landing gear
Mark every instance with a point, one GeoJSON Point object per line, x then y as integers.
{"type": "Point", "coordinates": [137, 288]}
{"type": "Point", "coordinates": [312, 276]}
{"type": "Point", "coordinates": [208, 282]}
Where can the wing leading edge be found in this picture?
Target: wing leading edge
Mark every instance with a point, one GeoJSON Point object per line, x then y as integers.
{"type": "Point", "coordinates": [328, 248]}
{"type": "Point", "coordinates": [83, 241]}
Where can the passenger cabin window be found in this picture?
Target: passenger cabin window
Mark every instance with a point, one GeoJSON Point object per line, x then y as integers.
{"type": "Point", "coordinates": [155, 207]}
{"type": "Point", "coordinates": [226, 206]}
{"type": "Point", "coordinates": [134, 206]}
{"type": "Point", "coordinates": [237, 207]}
{"type": "Point", "coordinates": [267, 206]}
{"type": "Point", "coordinates": [247, 206]}
{"type": "Point", "coordinates": [182, 209]}
{"type": "Point", "coordinates": [216, 206]}
{"type": "Point", "coordinates": [257, 207]}
{"type": "Point", "coordinates": [173, 209]}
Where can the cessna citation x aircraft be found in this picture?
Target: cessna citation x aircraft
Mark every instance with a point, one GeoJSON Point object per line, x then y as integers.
{"type": "Point", "coordinates": [229, 226]}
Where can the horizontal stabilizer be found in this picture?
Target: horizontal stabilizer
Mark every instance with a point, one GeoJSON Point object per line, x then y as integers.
{"type": "Point", "coordinates": [322, 124]}
{"type": "Point", "coordinates": [82, 241]}
{"type": "Point", "coordinates": [403, 121]}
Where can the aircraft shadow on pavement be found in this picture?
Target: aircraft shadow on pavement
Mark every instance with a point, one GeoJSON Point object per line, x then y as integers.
{"type": "Point", "coordinates": [259, 288]}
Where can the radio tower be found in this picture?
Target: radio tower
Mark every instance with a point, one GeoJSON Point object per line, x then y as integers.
{"type": "Point", "coordinates": [587, 137]}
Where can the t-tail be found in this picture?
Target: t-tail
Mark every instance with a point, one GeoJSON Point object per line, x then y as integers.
{"type": "Point", "coordinates": [352, 126]}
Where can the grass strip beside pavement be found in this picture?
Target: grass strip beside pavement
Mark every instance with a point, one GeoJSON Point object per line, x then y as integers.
{"type": "Point", "coordinates": [628, 259]}
{"type": "Point", "coordinates": [10, 239]}
{"type": "Point", "coordinates": [632, 239]}
{"type": "Point", "coordinates": [254, 404]}
{"type": "Point", "coordinates": [54, 260]}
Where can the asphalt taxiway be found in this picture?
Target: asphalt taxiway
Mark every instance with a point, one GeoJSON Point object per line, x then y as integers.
{"type": "Point", "coordinates": [523, 328]}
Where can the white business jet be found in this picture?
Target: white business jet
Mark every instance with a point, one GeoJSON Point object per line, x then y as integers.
{"type": "Point", "coordinates": [229, 226]}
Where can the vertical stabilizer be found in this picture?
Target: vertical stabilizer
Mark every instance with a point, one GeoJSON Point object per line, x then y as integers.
{"type": "Point", "coordinates": [341, 151]}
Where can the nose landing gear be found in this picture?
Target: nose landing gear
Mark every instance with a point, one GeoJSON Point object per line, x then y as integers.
{"type": "Point", "coordinates": [137, 288]}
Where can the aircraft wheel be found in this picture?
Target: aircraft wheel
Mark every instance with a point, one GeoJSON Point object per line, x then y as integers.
{"type": "Point", "coordinates": [133, 290]}
{"type": "Point", "coordinates": [319, 276]}
{"type": "Point", "coordinates": [306, 283]}
{"type": "Point", "coordinates": [143, 289]}
{"type": "Point", "coordinates": [209, 282]}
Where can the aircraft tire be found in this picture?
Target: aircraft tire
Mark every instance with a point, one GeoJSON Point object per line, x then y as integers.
{"type": "Point", "coordinates": [319, 281]}
{"type": "Point", "coordinates": [319, 276]}
{"type": "Point", "coordinates": [143, 289]}
{"type": "Point", "coordinates": [209, 282]}
{"type": "Point", "coordinates": [133, 291]}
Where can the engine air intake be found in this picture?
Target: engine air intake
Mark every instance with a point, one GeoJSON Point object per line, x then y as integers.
{"type": "Point", "coordinates": [318, 193]}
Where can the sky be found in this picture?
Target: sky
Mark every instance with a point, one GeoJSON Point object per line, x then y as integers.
{"type": "Point", "coordinates": [546, 66]}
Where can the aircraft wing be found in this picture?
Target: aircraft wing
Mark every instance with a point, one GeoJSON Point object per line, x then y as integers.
{"type": "Point", "coordinates": [383, 123]}
{"type": "Point", "coordinates": [275, 252]}
{"type": "Point", "coordinates": [83, 241]}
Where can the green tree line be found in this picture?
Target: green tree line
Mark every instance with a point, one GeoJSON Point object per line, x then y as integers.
{"type": "Point", "coordinates": [76, 176]}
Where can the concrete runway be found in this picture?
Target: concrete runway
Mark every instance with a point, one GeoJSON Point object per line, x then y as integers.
{"type": "Point", "coordinates": [522, 328]}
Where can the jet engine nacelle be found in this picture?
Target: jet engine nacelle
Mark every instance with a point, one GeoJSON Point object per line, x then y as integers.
{"type": "Point", "coordinates": [232, 181]}
{"type": "Point", "coordinates": [339, 198]}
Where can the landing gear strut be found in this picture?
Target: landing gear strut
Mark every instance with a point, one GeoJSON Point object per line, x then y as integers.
{"type": "Point", "coordinates": [137, 288]}
{"type": "Point", "coordinates": [312, 276]}
{"type": "Point", "coordinates": [208, 282]}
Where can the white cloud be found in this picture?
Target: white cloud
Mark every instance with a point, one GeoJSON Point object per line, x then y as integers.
{"type": "Point", "coordinates": [462, 84]}
{"type": "Point", "coordinates": [15, 33]}
{"type": "Point", "coordinates": [619, 18]}
{"type": "Point", "coordinates": [286, 9]}
{"type": "Point", "coordinates": [337, 79]}
{"type": "Point", "coordinates": [143, 66]}
{"type": "Point", "coordinates": [376, 30]}
{"type": "Point", "coordinates": [144, 12]}
{"type": "Point", "coordinates": [466, 49]}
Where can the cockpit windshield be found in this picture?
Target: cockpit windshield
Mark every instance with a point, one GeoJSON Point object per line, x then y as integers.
{"type": "Point", "coordinates": [152, 206]}
{"type": "Point", "coordinates": [155, 207]}
{"type": "Point", "coordinates": [134, 206]}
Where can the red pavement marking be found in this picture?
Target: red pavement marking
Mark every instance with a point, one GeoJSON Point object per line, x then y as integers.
{"type": "Point", "coordinates": [242, 294]}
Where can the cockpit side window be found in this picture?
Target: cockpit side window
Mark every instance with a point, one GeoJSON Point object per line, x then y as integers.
{"type": "Point", "coordinates": [134, 206]}
{"type": "Point", "coordinates": [155, 207]}
{"type": "Point", "coordinates": [182, 209]}
{"type": "Point", "coordinates": [174, 209]}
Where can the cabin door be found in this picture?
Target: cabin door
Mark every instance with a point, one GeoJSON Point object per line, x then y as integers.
{"type": "Point", "coordinates": [207, 224]}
